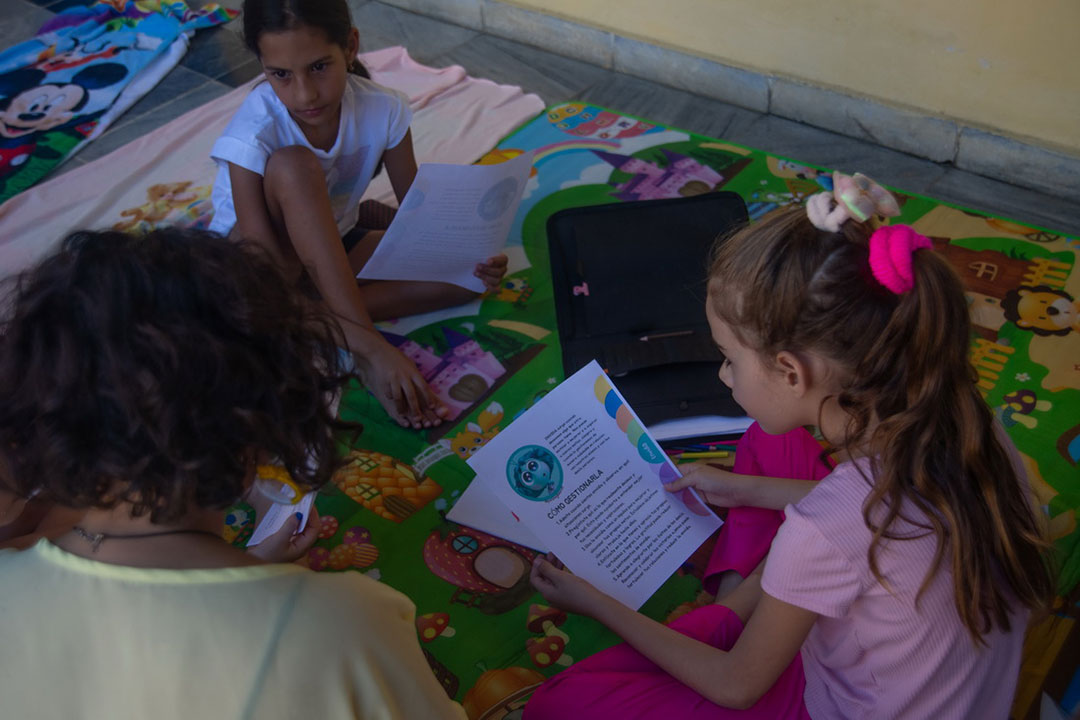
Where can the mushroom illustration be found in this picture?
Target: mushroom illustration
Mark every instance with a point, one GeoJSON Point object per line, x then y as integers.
{"type": "Point", "coordinates": [328, 527]}
{"type": "Point", "coordinates": [545, 619]}
{"type": "Point", "coordinates": [340, 557]}
{"type": "Point", "coordinates": [547, 651]}
{"type": "Point", "coordinates": [357, 536]}
{"type": "Point", "coordinates": [363, 554]}
{"type": "Point", "coordinates": [432, 625]}
{"type": "Point", "coordinates": [318, 558]}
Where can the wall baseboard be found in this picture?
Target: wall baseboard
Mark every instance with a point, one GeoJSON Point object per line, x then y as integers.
{"type": "Point", "coordinates": [1026, 164]}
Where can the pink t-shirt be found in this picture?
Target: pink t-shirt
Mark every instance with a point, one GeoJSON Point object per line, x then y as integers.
{"type": "Point", "coordinates": [873, 654]}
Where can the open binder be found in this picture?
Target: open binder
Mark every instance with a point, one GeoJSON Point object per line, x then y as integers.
{"type": "Point", "coordinates": [629, 281]}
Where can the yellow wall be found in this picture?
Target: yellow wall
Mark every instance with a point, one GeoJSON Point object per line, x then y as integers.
{"type": "Point", "coordinates": [1004, 65]}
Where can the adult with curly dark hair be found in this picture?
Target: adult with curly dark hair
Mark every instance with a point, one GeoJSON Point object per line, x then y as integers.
{"type": "Point", "coordinates": [142, 378]}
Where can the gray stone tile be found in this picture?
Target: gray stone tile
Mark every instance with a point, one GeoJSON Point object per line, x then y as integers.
{"type": "Point", "coordinates": [661, 104]}
{"type": "Point", "coordinates": [789, 139]}
{"type": "Point", "coordinates": [354, 7]}
{"type": "Point", "coordinates": [814, 146]}
{"type": "Point", "coordinates": [130, 129]}
{"type": "Point", "coordinates": [177, 83]}
{"type": "Point", "coordinates": [1008, 201]}
{"type": "Point", "coordinates": [425, 38]}
{"type": "Point", "coordinates": [554, 78]}
{"type": "Point", "coordinates": [909, 132]}
{"type": "Point", "coordinates": [697, 75]}
{"type": "Point", "coordinates": [21, 21]}
{"type": "Point", "coordinates": [1037, 168]}
{"type": "Point", "coordinates": [58, 5]}
{"type": "Point", "coordinates": [231, 4]}
{"type": "Point", "coordinates": [549, 33]}
{"type": "Point", "coordinates": [216, 52]}
{"type": "Point", "coordinates": [237, 76]}
{"type": "Point", "coordinates": [467, 13]}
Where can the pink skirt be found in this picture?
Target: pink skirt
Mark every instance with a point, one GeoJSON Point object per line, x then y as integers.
{"type": "Point", "coordinates": [748, 532]}
{"type": "Point", "coordinates": [622, 684]}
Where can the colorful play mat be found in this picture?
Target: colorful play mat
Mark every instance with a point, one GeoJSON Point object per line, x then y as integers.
{"type": "Point", "coordinates": [487, 636]}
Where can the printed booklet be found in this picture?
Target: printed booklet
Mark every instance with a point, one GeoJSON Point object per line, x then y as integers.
{"type": "Point", "coordinates": [579, 475]}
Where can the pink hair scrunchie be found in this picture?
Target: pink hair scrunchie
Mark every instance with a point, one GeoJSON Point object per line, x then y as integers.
{"type": "Point", "coordinates": [891, 248]}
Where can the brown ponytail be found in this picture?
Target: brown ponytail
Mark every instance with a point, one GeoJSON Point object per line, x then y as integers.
{"type": "Point", "coordinates": [783, 284]}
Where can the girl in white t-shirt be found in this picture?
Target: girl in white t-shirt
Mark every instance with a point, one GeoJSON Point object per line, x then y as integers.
{"type": "Point", "coordinates": [292, 166]}
{"type": "Point", "coordinates": [900, 584]}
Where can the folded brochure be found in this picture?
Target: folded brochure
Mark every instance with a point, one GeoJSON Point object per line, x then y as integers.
{"type": "Point", "coordinates": [582, 477]}
{"type": "Point", "coordinates": [452, 217]}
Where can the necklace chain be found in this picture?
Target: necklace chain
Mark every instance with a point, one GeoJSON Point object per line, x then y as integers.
{"type": "Point", "coordinates": [96, 538]}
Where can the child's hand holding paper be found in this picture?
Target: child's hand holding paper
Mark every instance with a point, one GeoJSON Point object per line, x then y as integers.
{"type": "Point", "coordinates": [452, 224]}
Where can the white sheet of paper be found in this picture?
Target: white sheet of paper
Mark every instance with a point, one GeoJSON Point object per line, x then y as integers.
{"type": "Point", "coordinates": [585, 477]}
{"type": "Point", "coordinates": [453, 217]}
{"type": "Point", "coordinates": [478, 509]}
{"type": "Point", "coordinates": [699, 426]}
{"type": "Point", "coordinates": [276, 515]}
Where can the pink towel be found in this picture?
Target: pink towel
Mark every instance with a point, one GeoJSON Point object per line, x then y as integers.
{"type": "Point", "coordinates": [165, 176]}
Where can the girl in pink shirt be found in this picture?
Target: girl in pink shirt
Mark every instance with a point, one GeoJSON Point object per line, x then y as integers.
{"type": "Point", "coordinates": [901, 583]}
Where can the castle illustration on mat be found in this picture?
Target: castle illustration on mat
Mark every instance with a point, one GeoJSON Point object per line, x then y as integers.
{"type": "Point", "coordinates": [460, 376]}
{"type": "Point", "coordinates": [682, 175]}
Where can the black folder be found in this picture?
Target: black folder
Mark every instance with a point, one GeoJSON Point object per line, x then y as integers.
{"type": "Point", "coordinates": [629, 281]}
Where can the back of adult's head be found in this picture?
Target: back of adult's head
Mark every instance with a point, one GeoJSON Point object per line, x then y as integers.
{"type": "Point", "coordinates": [157, 369]}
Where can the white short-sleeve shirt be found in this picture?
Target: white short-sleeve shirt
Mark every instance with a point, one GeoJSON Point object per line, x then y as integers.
{"type": "Point", "coordinates": [373, 119]}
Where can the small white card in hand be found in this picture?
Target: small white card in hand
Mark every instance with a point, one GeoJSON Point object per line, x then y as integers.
{"type": "Point", "coordinates": [478, 509]}
{"type": "Point", "coordinates": [276, 515]}
{"type": "Point", "coordinates": [453, 217]}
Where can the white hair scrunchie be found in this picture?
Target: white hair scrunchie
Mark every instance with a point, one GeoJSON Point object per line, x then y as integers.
{"type": "Point", "coordinates": [853, 197]}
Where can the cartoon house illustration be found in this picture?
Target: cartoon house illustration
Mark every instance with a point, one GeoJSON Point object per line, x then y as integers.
{"type": "Point", "coordinates": [682, 175]}
{"type": "Point", "coordinates": [487, 572]}
{"type": "Point", "coordinates": [460, 376]}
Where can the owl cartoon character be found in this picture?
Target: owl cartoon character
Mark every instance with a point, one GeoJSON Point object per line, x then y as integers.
{"type": "Point", "coordinates": [534, 473]}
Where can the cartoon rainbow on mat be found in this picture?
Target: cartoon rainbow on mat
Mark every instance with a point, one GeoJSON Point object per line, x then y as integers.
{"type": "Point", "coordinates": [548, 150]}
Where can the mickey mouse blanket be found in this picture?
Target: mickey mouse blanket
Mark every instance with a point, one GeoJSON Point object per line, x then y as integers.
{"type": "Point", "coordinates": [83, 68]}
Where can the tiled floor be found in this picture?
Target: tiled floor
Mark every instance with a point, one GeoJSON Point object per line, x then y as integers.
{"type": "Point", "coordinates": [218, 61]}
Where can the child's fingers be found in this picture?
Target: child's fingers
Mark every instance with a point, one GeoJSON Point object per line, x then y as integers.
{"type": "Point", "coordinates": [542, 574]}
{"type": "Point", "coordinates": [491, 271]}
{"type": "Point", "coordinates": [689, 477]}
{"type": "Point", "coordinates": [412, 406]}
{"type": "Point", "coordinates": [434, 409]}
{"type": "Point", "coordinates": [397, 400]}
{"type": "Point", "coordinates": [311, 532]}
{"type": "Point", "coordinates": [679, 484]}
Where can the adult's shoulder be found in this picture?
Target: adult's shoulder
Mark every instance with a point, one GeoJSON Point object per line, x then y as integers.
{"type": "Point", "coordinates": [352, 591]}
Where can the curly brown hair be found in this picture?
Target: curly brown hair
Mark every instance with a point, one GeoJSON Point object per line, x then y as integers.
{"type": "Point", "coordinates": [909, 393]}
{"type": "Point", "coordinates": [156, 369]}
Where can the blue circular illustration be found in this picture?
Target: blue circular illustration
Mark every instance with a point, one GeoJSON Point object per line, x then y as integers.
{"type": "Point", "coordinates": [413, 199]}
{"type": "Point", "coordinates": [497, 199]}
{"type": "Point", "coordinates": [534, 473]}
